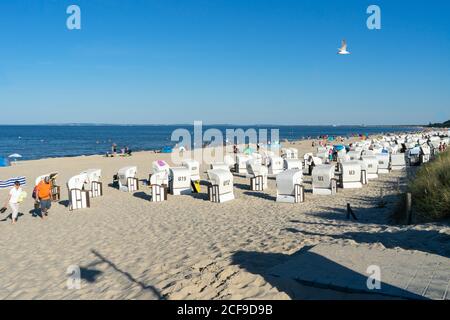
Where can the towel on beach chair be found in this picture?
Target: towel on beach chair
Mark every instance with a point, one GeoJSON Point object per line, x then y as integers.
{"type": "Point", "coordinates": [10, 182]}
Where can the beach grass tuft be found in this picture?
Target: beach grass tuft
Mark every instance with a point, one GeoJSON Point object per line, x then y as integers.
{"type": "Point", "coordinates": [430, 190]}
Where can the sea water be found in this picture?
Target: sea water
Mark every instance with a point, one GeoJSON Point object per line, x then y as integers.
{"type": "Point", "coordinates": [48, 141]}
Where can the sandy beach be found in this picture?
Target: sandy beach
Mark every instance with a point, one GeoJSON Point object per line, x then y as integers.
{"type": "Point", "coordinates": [187, 247]}
{"type": "Point", "coordinates": [111, 97]}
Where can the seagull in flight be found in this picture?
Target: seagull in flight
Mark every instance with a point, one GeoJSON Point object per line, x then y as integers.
{"type": "Point", "coordinates": [343, 48]}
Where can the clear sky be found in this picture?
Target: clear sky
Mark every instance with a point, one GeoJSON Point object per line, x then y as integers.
{"type": "Point", "coordinates": [224, 61]}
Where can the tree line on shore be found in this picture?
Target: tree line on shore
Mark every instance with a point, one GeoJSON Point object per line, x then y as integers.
{"type": "Point", "coordinates": [445, 124]}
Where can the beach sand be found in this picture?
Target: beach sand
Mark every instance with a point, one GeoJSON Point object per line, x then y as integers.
{"type": "Point", "coordinates": [187, 247]}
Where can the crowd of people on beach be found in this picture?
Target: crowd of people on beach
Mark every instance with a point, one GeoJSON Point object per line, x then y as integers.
{"type": "Point", "coordinates": [123, 152]}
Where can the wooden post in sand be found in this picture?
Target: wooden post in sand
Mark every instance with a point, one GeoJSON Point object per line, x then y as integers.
{"type": "Point", "coordinates": [381, 202]}
{"type": "Point", "coordinates": [408, 207]}
{"type": "Point", "coordinates": [350, 212]}
{"type": "Point", "coordinates": [381, 195]}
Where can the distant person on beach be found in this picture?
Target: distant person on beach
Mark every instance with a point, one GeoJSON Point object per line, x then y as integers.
{"type": "Point", "coordinates": [403, 149]}
{"type": "Point", "coordinates": [14, 200]}
{"type": "Point", "coordinates": [44, 196]}
{"type": "Point", "coordinates": [114, 149]}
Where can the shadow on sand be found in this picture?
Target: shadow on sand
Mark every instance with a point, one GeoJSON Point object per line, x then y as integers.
{"type": "Point", "coordinates": [375, 210]}
{"type": "Point", "coordinates": [260, 195]}
{"type": "Point", "coordinates": [242, 186]}
{"type": "Point", "coordinates": [142, 195]}
{"type": "Point", "coordinates": [420, 239]}
{"type": "Point", "coordinates": [64, 203]}
{"type": "Point", "coordinates": [276, 269]}
{"type": "Point", "coordinates": [9, 217]}
{"type": "Point", "coordinates": [91, 275]}
{"type": "Point", "coordinates": [200, 196]}
{"type": "Point", "coordinates": [372, 208]}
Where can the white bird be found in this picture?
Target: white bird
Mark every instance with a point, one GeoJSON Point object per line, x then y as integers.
{"type": "Point", "coordinates": [343, 48]}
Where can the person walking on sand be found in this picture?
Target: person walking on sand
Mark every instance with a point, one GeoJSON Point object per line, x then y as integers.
{"type": "Point", "coordinates": [44, 196]}
{"type": "Point", "coordinates": [14, 200]}
{"type": "Point", "coordinates": [114, 149]}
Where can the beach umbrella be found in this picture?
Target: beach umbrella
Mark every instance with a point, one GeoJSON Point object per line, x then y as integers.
{"type": "Point", "coordinates": [15, 155]}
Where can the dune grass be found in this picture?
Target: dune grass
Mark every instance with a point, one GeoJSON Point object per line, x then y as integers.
{"type": "Point", "coordinates": [430, 190]}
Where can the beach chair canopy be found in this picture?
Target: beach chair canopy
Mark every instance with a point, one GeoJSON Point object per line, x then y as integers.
{"type": "Point", "coordinates": [414, 151]}
{"type": "Point", "coordinates": [10, 182]}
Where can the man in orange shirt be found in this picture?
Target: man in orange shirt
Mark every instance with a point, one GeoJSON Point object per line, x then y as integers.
{"type": "Point", "coordinates": [44, 196]}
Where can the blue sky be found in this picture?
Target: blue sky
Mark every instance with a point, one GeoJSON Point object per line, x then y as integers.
{"type": "Point", "coordinates": [224, 61]}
